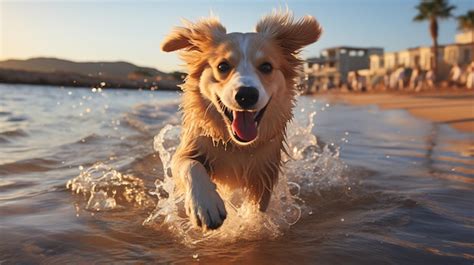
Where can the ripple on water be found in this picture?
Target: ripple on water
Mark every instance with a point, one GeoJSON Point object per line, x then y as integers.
{"type": "Point", "coordinates": [147, 118]}
{"type": "Point", "coordinates": [18, 118]}
{"type": "Point", "coordinates": [6, 185]}
{"type": "Point", "coordinates": [10, 135]}
{"type": "Point", "coordinates": [27, 166]}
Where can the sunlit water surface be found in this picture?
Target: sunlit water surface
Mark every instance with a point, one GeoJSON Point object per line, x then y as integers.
{"type": "Point", "coordinates": [84, 179]}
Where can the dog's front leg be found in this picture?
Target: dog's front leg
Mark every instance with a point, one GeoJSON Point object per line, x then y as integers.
{"type": "Point", "coordinates": [203, 204]}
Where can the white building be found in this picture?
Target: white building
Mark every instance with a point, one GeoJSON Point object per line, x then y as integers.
{"type": "Point", "coordinates": [333, 65]}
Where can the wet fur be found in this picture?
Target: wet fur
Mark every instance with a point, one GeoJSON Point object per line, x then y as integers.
{"type": "Point", "coordinates": [206, 140]}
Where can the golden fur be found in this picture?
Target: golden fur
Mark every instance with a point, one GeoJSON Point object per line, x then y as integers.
{"type": "Point", "coordinates": [205, 134]}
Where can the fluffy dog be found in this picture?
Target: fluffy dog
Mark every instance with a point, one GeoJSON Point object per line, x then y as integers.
{"type": "Point", "coordinates": [238, 98]}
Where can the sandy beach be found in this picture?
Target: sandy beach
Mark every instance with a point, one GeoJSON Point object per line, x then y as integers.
{"type": "Point", "coordinates": [455, 108]}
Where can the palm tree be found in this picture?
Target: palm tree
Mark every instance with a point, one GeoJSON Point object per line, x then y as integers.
{"type": "Point", "coordinates": [466, 22]}
{"type": "Point", "coordinates": [432, 11]}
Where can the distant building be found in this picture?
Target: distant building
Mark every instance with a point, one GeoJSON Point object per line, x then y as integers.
{"type": "Point", "coordinates": [465, 37]}
{"type": "Point", "coordinates": [412, 57]}
{"type": "Point", "coordinates": [460, 53]}
{"type": "Point", "coordinates": [332, 67]}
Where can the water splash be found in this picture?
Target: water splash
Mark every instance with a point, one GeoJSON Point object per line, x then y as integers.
{"type": "Point", "coordinates": [308, 167]}
{"type": "Point", "coordinates": [108, 189]}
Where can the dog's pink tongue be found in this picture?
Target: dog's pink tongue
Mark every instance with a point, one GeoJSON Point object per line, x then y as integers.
{"type": "Point", "coordinates": [244, 125]}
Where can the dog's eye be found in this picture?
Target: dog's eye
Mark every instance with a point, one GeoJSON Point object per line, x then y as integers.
{"type": "Point", "coordinates": [265, 68]}
{"type": "Point", "coordinates": [223, 67]}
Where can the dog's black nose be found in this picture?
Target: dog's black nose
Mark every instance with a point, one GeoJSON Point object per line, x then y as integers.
{"type": "Point", "coordinates": [247, 96]}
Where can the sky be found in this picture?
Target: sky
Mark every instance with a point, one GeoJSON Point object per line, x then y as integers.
{"type": "Point", "coordinates": [133, 30]}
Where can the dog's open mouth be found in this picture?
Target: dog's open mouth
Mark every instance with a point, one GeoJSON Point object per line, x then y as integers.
{"type": "Point", "coordinates": [244, 124]}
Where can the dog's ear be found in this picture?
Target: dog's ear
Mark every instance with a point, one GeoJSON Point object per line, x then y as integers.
{"type": "Point", "coordinates": [291, 35]}
{"type": "Point", "coordinates": [194, 36]}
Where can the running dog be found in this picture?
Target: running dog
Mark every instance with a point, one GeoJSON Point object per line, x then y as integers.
{"type": "Point", "coordinates": [237, 101]}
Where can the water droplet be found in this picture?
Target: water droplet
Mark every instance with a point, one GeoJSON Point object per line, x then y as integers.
{"type": "Point", "coordinates": [195, 256]}
{"type": "Point", "coordinates": [342, 220]}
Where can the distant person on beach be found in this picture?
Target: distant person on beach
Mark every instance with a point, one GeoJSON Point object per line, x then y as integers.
{"type": "Point", "coordinates": [397, 78]}
{"type": "Point", "coordinates": [351, 81]}
{"type": "Point", "coordinates": [386, 79]}
{"type": "Point", "coordinates": [429, 78]}
{"type": "Point", "coordinates": [401, 78]}
{"type": "Point", "coordinates": [357, 81]}
{"type": "Point", "coordinates": [470, 76]}
{"type": "Point", "coordinates": [361, 82]}
{"type": "Point", "coordinates": [393, 79]}
{"type": "Point", "coordinates": [455, 76]}
{"type": "Point", "coordinates": [416, 79]}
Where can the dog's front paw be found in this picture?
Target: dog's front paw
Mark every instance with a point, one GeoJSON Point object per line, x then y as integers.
{"type": "Point", "coordinates": [205, 207]}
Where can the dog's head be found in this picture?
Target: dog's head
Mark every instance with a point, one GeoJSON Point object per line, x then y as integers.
{"type": "Point", "coordinates": [245, 75]}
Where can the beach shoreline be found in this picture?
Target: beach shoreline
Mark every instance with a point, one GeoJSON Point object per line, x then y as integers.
{"type": "Point", "coordinates": [452, 107]}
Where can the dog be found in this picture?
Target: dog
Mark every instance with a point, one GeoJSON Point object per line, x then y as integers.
{"type": "Point", "coordinates": [237, 101]}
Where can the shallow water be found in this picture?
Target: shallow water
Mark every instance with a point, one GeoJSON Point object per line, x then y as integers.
{"type": "Point", "coordinates": [376, 186]}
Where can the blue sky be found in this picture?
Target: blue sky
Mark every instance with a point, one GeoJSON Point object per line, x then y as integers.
{"type": "Point", "coordinates": [133, 30]}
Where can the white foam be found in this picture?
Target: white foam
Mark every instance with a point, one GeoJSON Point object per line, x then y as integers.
{"type": "Point", "coordinates": [306, 170]}
{"type": "Point", "coordinates": [107, 189]}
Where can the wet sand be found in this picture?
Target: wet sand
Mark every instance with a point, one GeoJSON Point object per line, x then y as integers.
{"type": "Point", "coordinates": [455, 108]}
